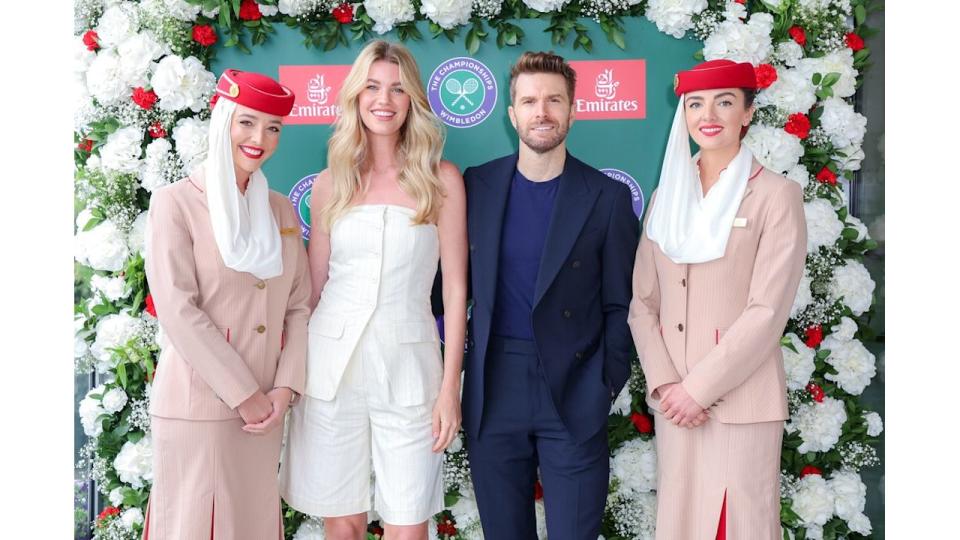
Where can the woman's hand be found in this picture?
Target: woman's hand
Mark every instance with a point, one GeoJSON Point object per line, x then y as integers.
{"type": "Point", "coordinates": [678, 407]}
{"type": "Point", "coordinates": [255, 409]}
{"type": "Point", "coordinates": [446, 417]}
{"type": "Point", "coordinates": [280, 400]}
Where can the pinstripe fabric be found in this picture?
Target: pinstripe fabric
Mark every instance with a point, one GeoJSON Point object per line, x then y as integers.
{"type": "Point", "coordinates": [200, 302]}
{"type": "Point", "coordinates": [207, 471]}
{"type": "Point", "coordinates": [715, 327]}
{"type": "Point", "coordinates": [211, 476]}
{"type": "Point", "coordinates": [381, 273]}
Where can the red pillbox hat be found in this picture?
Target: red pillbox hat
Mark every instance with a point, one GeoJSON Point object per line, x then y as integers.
{"type": "Point", "coordinates": [255, 91]}
{"type": "Point", "coordinates": [715, 74]}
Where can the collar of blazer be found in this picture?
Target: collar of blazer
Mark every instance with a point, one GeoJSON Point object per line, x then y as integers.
{"type": "Point", "coordinates": [756, 170]}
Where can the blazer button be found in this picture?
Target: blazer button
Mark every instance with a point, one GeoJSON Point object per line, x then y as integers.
{"type": "Point", "coordinates": [567, 314]}
{"type": "Point", "coordinates": [683, 282]}
{"type": "Point", "coordinates": [473, 247]}
{"type": "Point", "coordinates": [576, 264]}
{"type": "Point", "coordinates": [579, 356]}
{"type": "Point", "coordinates": [680, 327]}
{"type": "Point", "coordinates": [261, 329]}
{"type": "Point", "coordinates": [260, 285]}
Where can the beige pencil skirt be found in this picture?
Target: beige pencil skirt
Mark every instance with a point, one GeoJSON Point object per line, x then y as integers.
{"type": "Point", "coordinates": [697, 467]}
{"type": "Point", "coordinates": [213, 481]}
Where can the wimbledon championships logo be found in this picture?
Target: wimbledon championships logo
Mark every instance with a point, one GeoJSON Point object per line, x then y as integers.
{"type": "Point", "coordinates": [462, 92]}
{"type": "Point", "coordinates": [636, 193]}
{"type": "Point", "coordinates": [300, 197]}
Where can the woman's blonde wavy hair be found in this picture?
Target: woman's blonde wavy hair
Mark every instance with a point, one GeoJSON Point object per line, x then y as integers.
{"type": "Point", "coordinates": [419, 150]}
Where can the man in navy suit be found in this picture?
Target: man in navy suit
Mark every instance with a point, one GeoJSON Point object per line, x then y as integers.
{"type": "Point", "coordinates": [552, 244]}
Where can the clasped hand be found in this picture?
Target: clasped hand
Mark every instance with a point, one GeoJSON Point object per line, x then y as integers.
{"type": "Point", "coordinates": [678, 407]}
{"type": "Point", "coordinates": [262, 413]}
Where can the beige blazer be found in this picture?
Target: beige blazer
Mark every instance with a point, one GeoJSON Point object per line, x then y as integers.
{"type": "Point", "coordinates": [226, 334]}
{"type": "Point", "coordinates": [715, 327]}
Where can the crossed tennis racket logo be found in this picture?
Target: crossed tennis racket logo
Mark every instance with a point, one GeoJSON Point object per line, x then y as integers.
{"type": "Point", "coordinates": [468, 88]}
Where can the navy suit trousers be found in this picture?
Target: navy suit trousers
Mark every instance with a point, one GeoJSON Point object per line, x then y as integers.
{"type": "Point", "coordinates": [521, 431]}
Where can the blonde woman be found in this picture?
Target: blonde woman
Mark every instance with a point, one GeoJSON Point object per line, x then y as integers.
{"type": "Point", "coordinates": [377, 390]}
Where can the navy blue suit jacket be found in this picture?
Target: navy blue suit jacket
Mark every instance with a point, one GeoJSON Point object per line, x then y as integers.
{"type": "Point", "coordinates": [582, 293]}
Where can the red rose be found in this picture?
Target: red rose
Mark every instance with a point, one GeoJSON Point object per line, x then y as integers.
{"type": "Point", "coordinates": [150, 308]}
{"type": "Point", "coordinates": [766, 75]}
{"type": "Point", "coordinates": [798, 35]}
{"type": "Point", "coordinates": [854, 41]}
{"type": "Point", "coordinates": [205, 35]}
{"type": "Point", "coordinates": [827, 176]}
{"type": "Point", "coordinates": [642, 422]}
{"type": "Point", "coordinates": [250, 11]}
{"type": "Point", "coordinates": [798, 124]}
{"type": "Point", "coordinates": [376, 531]}
{"type": "Point", "coordinates": [343, 13]}
{"type": "Point", "coordinates": [146, 99]}
{"type": "Point", "coordinates": [810, 469]}
{"type": "Point", "coordinates": [816, 392]}
{"type": "Point", "coordinates": [446, 528]}
{"type": "Point", "coordinates": [814, 336]}
{"type": "Point", "coordinates": [537, 491]}
{"type": "Point", "coordinates": [86, 145]}
{"type": "Point", "coordinates": [90, 40]}
{"type": "Point", "coordinates": [156, 130]}
{"type": "Point", "coordinates": [108, 512]}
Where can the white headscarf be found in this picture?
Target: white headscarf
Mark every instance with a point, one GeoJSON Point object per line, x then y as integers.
{"type": "Point", "coordinates": [243, 225]}
{"type": "Point", "coordinates": [688, 227]}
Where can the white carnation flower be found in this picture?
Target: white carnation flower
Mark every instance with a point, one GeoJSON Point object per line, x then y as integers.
{"type": "Point", "coordinates": [540, 513]}
{"type": "Point", "coordinates": [823, 225]}
{"type": "Point", "coordinates": [103, 247]}
{"type": "Point", "coordinates": [104, 80]}
{"type": "Point", "coordinates": [116, 24]}
{"type": "Point", "coordinates": [182, 83]}
{"type": "Point", "coordinates": [122, 150]}
{"type": "Point", "coordinates": [773, 147]}
{"type": "Point", "coordinates": [447, 13]}
{"type": "Point", "coordinates": [133, 463]}
{"type": "Point", "coordinates": [388, 13]}
{"type": "Point", "coordinates": [131, 517]}
{"type": "Point", "coordinates": [855, 365]}
{"type": "Point", "coordinates": [799, 174]}
{"type": "Point", "coordinates": [741, 42]}
{"type": "Point", "coordinates": [850, 493]}
{"type": "Point", "coordinates": [874, 423]}
{"type": "Point", "coordinates": [466, 513]}
{"type": "Point", "coordinates": [673, 17]}
{"type": "Point", "coordinates": [296, 7]}
{"type": "Point", "coordinates": [804, 295]}
{"type": "Point", "coordinates": [842, 124]}
{"type": "Point", "coordinates": [112, 288]}
{"type": "Point", "coordinates": [734, 11]}
{"type": "Point", "coordinates": [852, 283]}
{"type": "Point", "coordinates": [116, 496]}
{"type": "Point", "coordinates": [456, 444]}
{"type": "Point", "coordinates": [860, 524]}
{"type": "Point", "coordinates": [89, 410]}
{"type": "Point", "coordinates": [546, 6]}
{"type": "Point", "coordinates": [623, 403]}
{"type": "Point", "coordinates": [311, 528]}
{"type": "Point", "coordinates": [799, 366]}
{"type": "Point", "coordinates": [635, 465]}
{"type": "Point", "coordinates": [113, 331]}
{"type": "Point", "coordinates": [813, 501]}
{"type": "Point", "coordinates": [792, 92]}
{"type": "Point", "coordinates": [179, 9]}
{"type": "Point", "coordinates": [114, 400]}
{"type": "Point", "coordinates": [789, 53]}
{"type": "Point", "coordinates": [137, 54]}
{"type": "Point", "coordinates": [190, 138]}
{"type": "Point", "coordinates": [267, 11]}
{"type": "Point", "coordinates": [814, 532]}
{"type": "Point", "coordinates": [138, 231]}
{"type": "Point", "coordinates": [844, 330]}
{"type": "Point", "coordinates": [82, 56]}
{"type": "Point", "coordinates": [814, 5]}
{"type": "Point", "coordinates": [839, 61]}
{"type": "Point", "coordinates": [820, 425]}
{"type": "Point", "coordinates": [154, 170]}
{"type": "Point", "coordinates": [80, 346]}
{"type": "Point", "coordinates": [849, 158]}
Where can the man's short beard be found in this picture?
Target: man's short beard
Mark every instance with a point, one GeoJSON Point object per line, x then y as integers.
{"type": "Point", "coordinates": [542, 147]}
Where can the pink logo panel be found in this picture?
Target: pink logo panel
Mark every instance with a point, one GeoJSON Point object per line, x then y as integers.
{"type": "Point", "coordinates": [610, 89]}
{"type": "Point", "coordinates": [316, 88]}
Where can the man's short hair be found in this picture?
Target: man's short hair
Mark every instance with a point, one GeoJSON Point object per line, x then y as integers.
{"type": "Point", "coordinates": [542, 62]}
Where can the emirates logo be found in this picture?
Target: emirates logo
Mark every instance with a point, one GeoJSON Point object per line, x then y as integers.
{"type": "Point", "coordinates": [606, 85]}
{"type": "Point", "coordinates": [317, 90]}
